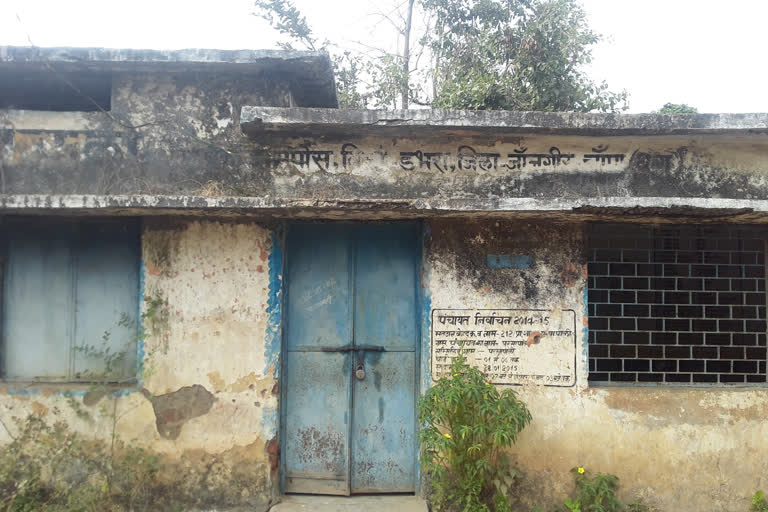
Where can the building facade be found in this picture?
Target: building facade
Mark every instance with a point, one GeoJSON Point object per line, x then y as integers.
{"type": "Point", "coordinates": [282, 279]}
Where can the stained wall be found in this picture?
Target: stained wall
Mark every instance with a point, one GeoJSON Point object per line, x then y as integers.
{"type": "Point", "coordinates": [207, 390]}
{"type": "Point", "coordinates": [677, 448]}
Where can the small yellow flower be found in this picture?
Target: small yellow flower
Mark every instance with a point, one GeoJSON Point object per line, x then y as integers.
{"type": "Point", "coordinates": [580, 470]}
{"type": "Point", "coordinates": [447, 436]}
{"type": "Point", "coordinates": [455, 374]}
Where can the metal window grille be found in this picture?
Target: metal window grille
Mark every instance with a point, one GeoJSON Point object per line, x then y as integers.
{"type": "Point", "coordinates": [677, 304]}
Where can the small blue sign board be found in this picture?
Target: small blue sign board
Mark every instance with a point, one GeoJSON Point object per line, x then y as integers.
{"type": "Point", "coordinates": [509, 261]}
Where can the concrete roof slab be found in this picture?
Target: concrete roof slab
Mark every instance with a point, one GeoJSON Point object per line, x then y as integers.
{"type": "Point", "coordinates": [310, 73]}
{"type": "Point", "coordinates": [256, 120]}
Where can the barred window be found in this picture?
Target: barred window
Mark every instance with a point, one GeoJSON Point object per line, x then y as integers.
{"type": "Point", "coordinates": [677, 304]}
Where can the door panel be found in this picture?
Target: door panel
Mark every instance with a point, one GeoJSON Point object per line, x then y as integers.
{"type": "Point", "coordinates": [319, 287]}
{"type": "Point", "coordinates": [385, 287]}
{"type": "Point", "coordinates": [352, 297]}
{"type": "Point", "coordinates": [317, 451]}
{"type": "Point", "coordinates": [383, 403]}
{"type": "Point", "coordinates": [383, 444]}
{"type": "Point", "coordinates": [319, 315]}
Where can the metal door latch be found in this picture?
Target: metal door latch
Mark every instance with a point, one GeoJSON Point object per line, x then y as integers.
{"type": "Point", "coordinates": [360, 349]}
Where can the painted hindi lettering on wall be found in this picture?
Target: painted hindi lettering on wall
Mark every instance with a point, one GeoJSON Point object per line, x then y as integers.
{"type": "Point", "coordinates": [511, 346]}
{"type": "Point", "coordinates": [505, 158]}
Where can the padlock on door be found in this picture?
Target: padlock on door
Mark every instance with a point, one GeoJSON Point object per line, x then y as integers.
{"type": "Point", "coordinates": [360, 372]}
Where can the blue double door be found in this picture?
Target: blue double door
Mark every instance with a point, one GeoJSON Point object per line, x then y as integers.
{"type": "Point", "coordinates": [350, 358]}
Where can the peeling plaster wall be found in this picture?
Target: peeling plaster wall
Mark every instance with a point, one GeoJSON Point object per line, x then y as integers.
{"type": "Point", "coordinates": [453, 166]}
{"type": "Point", "coordinates": [166, 133]}
{"type": "Point", "coordinates": [180, 134]}
{"type": "Point", "coordinates": [208, 390]}
{"type": "Point", "coordinates": [682, 449]}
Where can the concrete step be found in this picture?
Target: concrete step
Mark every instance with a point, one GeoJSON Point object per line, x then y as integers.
{"type": "Point", "coordinates": [382, 503]}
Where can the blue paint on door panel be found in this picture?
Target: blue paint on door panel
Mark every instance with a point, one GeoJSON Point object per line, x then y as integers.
{"type": "Point", "coordinates": [105, 298]}
{"type": "Point", "coordinates": [384, 423]}
{"type": "Point", "coordinates": [316, 440]}
{"type": "Point", "coordinates": [319, 287]}
{"type": "Point", "coordinates": [317, 384]}
{"type": "Point", "coordinates": [386, 311]}
{"type": "Point", "coordinates": [350, 287]}
{"type": "Point", "coordinates": [385, 287]}
{"type": "Point", "coordinates": [70, 285]}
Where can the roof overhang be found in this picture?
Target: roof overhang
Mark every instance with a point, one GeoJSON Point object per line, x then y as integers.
{"type": "Point", "coordinates": [309, 73]}
{"type": "Point", "coordinates": [257, 121]}
{"type": "Point", "coordinates": [625, 209]}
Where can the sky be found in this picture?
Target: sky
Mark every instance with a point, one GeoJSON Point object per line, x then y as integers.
{"type": "Point", "coordinates": [710, 54]}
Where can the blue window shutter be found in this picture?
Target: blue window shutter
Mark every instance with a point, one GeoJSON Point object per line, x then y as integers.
{"type": "Point", "coordinates": [65, 285]}
{"type": "Point", "coordinates": [38, 304]}
{"type": "Point", "coordinates": [106, 303]}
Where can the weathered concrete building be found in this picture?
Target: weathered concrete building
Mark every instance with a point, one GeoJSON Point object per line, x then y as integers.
{"type": "Point", "coordinates": [284, 278]}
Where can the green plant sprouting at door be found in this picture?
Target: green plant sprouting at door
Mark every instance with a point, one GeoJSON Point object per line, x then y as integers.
{"type": "Point", "coordinates": [467, 426]}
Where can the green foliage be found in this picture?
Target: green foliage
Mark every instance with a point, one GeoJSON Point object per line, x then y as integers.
{"type": "Point", "coordinates": [481, 54]}
{"type": "Point", "coordinates": [112, 363]}
{"type": "Point", "coordinates": [288, 20]}
{"type": "Point", "coordinates": [154, 315]}
{"type": "Point", "coordinates": [349, 71]}
{"type": "Point", "coordinates": [678, 108]}
{"type": "Point", "coordinates": [51, 469]}
{"type": "Point", "coordinates": [467, 425]}
{"type": "Point", "coordinates": [387, 78]}
{"type": "Point", "coordinates": [112, 368]}
{"type": "Point", "coordinates": [516, 55]}
{"type": "Point", "coordinates": [597, 493]}
{"type": "Point", "coordinates": [759, 503]}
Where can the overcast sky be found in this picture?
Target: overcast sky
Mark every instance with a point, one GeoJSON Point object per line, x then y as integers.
{"type": "Point", "coordinates": [710, 54]}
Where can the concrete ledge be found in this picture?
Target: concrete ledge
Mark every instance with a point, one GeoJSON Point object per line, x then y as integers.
{"type": "Point", "coordinates": [352, 504]}
{"type": "Point", "coordinates": [130, 58]}
{"type": "Point", "coordinates": [314, 121]}
{"type": "Point", "coordinates": [310, 72]}
{"type": "Point", "coordinates": [670, 208]}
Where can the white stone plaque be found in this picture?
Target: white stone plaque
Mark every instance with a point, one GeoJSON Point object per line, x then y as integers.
{"type": "Point", "coordinates": [511, 346]}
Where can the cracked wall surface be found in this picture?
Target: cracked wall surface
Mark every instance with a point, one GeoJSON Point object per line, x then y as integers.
{"type": "Point", "coordinates": [468, 166]}
{"type": "Point", "coordinates": [179, 134]}
{"type": "Point", "coordinates": [208, 394]}
{"type": "Point", "coordinates": [166, 133]}
{"type": "Point", "coordinates": [207, 397]}
{"type": "Point", "coordinates": [677, 448]}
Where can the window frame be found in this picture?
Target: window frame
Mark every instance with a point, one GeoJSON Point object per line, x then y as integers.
{"type": "Point", "coordinates": [591, 342]}
{"type": "Point", "coordinates": [134, 228]}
